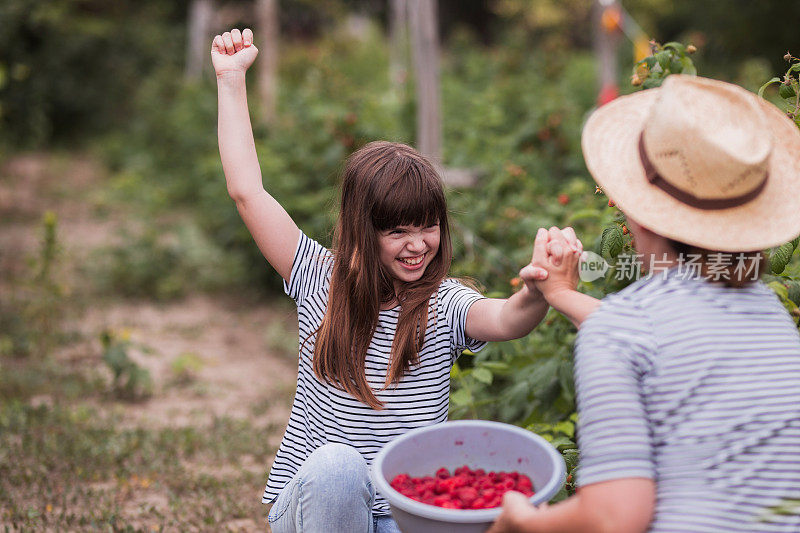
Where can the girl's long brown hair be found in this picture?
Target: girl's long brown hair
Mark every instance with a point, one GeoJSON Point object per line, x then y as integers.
{"type": "Point", "coordinates": [384, 185]}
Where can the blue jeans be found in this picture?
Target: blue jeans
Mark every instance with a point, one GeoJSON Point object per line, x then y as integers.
{"type": "Point", "coordinates": [330, 493]}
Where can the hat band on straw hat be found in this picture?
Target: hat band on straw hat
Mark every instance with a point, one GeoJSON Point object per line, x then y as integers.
{"type": "Point", "coordinates": [693, 201]}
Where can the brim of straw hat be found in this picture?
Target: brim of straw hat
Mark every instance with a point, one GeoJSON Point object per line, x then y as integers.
{"type": "Point", "coordinates": [610, 143]}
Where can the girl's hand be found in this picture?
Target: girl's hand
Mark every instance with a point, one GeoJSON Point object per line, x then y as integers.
{"type": "Point", "coordinates": [233, 52]}
{"type": "Point", "coordinates": [557, 253]}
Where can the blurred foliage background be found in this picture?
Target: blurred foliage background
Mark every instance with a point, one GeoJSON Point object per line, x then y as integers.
{"type": "Point", "coordinates": [518, 78]}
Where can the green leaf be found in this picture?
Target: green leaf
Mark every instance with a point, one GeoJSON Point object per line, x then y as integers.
{"type": "Point", "coordinates": [612, 242]}
{"type": "Point", "coordinates": [779, 289]}
{"type": "Point", "coordinates": [676, 66]}
{"type": "Point", "coordinates": [793, 292]}
{"type": "Point", "coordinates": [484, 375]}
{"type": "Point", "coordinates": [795, 68]}
{"type": "Point", "coordinates": [763, 87]}
{"type": "Point", "coordinates": [663, 59]}
{"type": "Point", "coordinates": [652, 82]}
{"type": "Point", "coordinates": [560, 442]}
{"type": "Point", "coordinates": [496, 366]}
{"type": "Point", "coordinates": [678, 47]}
{"type": "Point", "coordinates": [795, 242]}
{"type": "Point", "coordinates": [650, 61]}
{"type": "Point", "coordinates": [567, 427]}
{"type": "Point", "coordinates": [571, 458]}
{"type": "Point", "coordinates": [566, 380]}
{"type": "Point", "coordinates": [461, 397]}
{"type": "Point", "coordinates": [786, 92]}
{"type": "Point", "coordinates": [688, 66]}
{"type": "Point", "coordinates": [544, 377]}
{"type": "Point", "coordinates": [780, 257]}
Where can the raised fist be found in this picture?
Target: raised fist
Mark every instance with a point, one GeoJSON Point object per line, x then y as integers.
{"type": "Point", "coordinates": [233, 51]}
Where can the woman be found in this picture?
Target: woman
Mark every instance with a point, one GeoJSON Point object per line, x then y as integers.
{"type": "Point", "coordinates": [687, 382]}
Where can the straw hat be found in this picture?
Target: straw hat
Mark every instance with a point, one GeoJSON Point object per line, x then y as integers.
{"type": "Point", "coordinates": [700, 161]}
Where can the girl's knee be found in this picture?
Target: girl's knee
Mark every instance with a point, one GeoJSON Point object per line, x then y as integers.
{"type": "Point", "coordinates": [339, 455]}
{"type": "Point", "coordinates": [338, 463]}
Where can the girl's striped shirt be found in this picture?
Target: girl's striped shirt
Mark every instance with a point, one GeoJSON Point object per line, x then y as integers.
{"type": "Point", "coordinates": [696, 386]}
{"type": "Point", "coordinates": [322, 414]}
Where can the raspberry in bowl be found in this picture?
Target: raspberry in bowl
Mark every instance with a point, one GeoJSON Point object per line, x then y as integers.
{"type": "Point", "coordinates": [450, 477]}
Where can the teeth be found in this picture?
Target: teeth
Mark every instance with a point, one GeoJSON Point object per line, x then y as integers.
{"type": "Point", "coordinates": [412, 260]}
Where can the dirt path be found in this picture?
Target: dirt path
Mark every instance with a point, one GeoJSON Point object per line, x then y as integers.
{"type": "Point", "coordinates": [211, 356]}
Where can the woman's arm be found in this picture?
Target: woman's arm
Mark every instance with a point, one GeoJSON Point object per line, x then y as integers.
{"type": "Point", "coordinates": [574, 305]}
{"type": "Point", "coordinates": [620, 506]}
{"type": "Point", "coordinates": [493, 319]}
{"type": "Point", "coordinates": [558, 286]}
{"type": "Point", "coordinates": [273, 229]}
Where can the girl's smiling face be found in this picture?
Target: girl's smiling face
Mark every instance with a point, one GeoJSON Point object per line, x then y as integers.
{"type": "Point", "coordinates": [406, 251]}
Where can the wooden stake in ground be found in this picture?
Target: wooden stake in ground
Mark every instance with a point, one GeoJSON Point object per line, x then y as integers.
{"type": "Point", "coordinates": [423, 23]}
{"type": "Point", "coordinates": [606, 21]}
{"type": "Point", "coordinates": [398, 45]}
{"type": "Point", "coordinates": [268, 31]}
{"type": "Point", "coordinates": [199, 35]}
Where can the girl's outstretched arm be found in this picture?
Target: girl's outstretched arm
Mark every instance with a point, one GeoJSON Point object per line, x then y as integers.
{"type": "Point", "coordinates": [493, 319]}
{"type": "Point", "coordinates": [273, 229]}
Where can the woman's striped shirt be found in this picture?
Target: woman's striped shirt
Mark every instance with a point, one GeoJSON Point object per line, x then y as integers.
{"type": "Point", "coordinates": [322, 414]}
{"type": "Point", "coordinates": [696, 386]}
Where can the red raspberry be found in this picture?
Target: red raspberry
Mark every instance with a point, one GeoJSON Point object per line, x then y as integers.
{"type": "Point", "coordinates": [465, 489]}
{"type": "Point", "coordinates": [441, 500]}
{"type": "Point", "coordinates": [479, 503]}
{"type": "Point", "coordinates": [467, 495]}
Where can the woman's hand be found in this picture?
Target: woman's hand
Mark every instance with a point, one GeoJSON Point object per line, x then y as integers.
{"type": "Point", "coordinates": [516, 515]}
{"type": "Point", "coordinates": [233, 52]}
{"type": "Point", "coordinates": [554, 266]}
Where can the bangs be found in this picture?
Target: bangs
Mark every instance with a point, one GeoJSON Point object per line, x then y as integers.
{"type": "Point", "coordinates": [413, 197]}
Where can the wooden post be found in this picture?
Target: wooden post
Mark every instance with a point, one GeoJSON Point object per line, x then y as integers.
{"type": "Point", "coordinates": [199, 38]}
{"type": "Point", "coordinates": [267, 42]}
{"type": "Point", "coordinates": [425, 43]}
{"type": "Point", "coordinates": [398, 45]}
{"type": "Point", "coordinates": [607, 17]}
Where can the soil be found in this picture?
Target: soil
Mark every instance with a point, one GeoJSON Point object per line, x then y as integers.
{"type": "Point", "coordinates": [236, 372]}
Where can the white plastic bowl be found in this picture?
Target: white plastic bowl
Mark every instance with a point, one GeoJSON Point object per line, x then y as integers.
{"type": "Point", "coordinates": [493, 446]}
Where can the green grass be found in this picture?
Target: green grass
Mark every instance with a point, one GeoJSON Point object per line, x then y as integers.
{"type": "Point", "coordinates": [73, 455]}
{"type": "Point", "coordinates": [66, 464]}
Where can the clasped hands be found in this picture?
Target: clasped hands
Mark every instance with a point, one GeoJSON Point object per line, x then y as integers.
{"type": "Point", "coordinates": [554, 265]}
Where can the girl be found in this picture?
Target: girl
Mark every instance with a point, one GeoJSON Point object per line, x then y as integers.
{"type": "Point", "coordinates": [688, 381]}
{"type": "Point", "coordinates": [379, 322]}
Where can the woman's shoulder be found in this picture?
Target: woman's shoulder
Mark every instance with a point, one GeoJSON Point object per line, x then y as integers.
{"type": "Point", "coordinates": [628, 306]}
{"type": "Point", "coordinates": [644, 291]}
